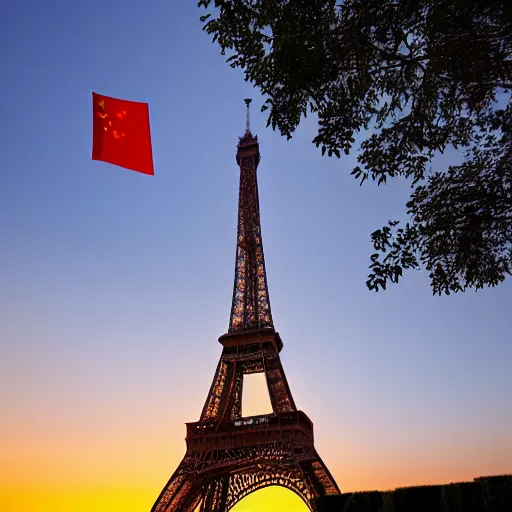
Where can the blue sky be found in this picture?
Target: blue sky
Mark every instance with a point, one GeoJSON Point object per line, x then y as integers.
{"type": "Point", "coordinates": [116, 285]}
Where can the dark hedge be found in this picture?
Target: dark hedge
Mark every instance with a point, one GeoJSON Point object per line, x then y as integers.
{"type": "Point", "coordinates": [462, 497]}
{"type": "Point", "coordinates": [484, 494]}
{"type": "Point", "coordinates": [426, 498]}
{"type": "Point", "coordinates": [497, 492]}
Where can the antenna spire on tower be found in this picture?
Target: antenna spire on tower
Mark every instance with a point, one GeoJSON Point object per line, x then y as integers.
{"type": "Point", "coordinates": [248, 120]}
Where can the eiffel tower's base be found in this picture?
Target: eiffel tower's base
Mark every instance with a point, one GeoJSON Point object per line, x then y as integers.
{"type": "Point", "coordinates": [219, 476]}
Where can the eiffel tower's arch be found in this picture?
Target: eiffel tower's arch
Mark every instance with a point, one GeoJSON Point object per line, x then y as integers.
{"type": "Point", "coordinates": [245, 484]}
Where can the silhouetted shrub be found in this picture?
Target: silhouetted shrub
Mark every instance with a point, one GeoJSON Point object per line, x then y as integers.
{"type": "Point", "coordinates": [485, 494]}
{"type": "Point", "coordinates": [462, 497]}
{"type": "Point", "coordinates": [375, 500]}
{"type": "Point", "coordinates": [425, 498]}
{"type": "Point", "coordinates": [497, 492]}
{"type": "Point", "coordinates": [358, 502]}
{"type": "Point", "coordinates": [387, 502]}
{"type": "Point", "coordinates": [331, 503]}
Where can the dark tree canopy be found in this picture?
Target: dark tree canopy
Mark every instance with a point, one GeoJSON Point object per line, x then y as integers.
{"type": "Point", "coordinates": [415, 77]}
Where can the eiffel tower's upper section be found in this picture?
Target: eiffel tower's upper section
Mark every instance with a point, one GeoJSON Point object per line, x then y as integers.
{"type": "Point", "coordinates": [250, 309]}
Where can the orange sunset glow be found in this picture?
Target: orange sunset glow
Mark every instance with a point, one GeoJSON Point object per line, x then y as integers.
{"type": "Point", "coordinates": [102, 457]}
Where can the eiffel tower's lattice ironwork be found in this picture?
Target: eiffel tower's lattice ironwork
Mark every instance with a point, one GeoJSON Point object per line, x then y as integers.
{"type": "Point", "coordinates": [229, 456]}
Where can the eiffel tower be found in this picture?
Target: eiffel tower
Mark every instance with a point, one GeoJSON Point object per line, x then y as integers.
{"type": "Point", "coordinates": [229, 456]}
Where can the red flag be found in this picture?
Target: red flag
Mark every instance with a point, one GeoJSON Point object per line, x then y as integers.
{"type": "Point", "coordinates": [121, 134]}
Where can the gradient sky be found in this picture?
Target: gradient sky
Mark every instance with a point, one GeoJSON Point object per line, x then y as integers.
{"type": "Point", "coordinates": [116, 285]}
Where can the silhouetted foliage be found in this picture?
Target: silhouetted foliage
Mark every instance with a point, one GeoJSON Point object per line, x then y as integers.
{"type": "Point", "coordinates": [497, 492]}
{"type": "Point", "coordinates": [426, 498]}
{"type": "Point", "coordinates": [331, 503]}
{"type": "Point", "coordinates": [415, 77]}
{"type": "Point", "coordinates": [364, 502]}
{"type": "Point", "coordinates": [462, 497]}
{"type": "Point", "coordinates": [484, 494]}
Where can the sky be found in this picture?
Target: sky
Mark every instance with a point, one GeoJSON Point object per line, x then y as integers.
{"type": "Point", "coordinates": [115, 285]}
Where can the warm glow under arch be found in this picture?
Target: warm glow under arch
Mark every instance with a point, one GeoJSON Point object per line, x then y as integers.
{"type": "Point", "coordinates": [273, 498]}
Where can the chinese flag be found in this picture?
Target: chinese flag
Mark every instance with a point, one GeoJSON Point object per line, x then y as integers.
{"type": "Point", "coordinates": [121, 134]}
